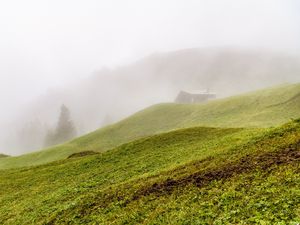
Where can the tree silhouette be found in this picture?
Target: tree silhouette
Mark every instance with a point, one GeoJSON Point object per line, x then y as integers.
{"type": "Point", "coordinates": [65, 129]}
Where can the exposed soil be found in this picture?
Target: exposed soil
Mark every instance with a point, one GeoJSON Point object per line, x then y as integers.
{"type": "Point", "coordinates": [249, 163]}
{"type": "Point", "coordinates": [264, 161]}
{"type": "Point", "coordinates": [82, 154]}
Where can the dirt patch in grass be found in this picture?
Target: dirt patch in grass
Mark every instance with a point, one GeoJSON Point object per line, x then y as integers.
{"type": "Point", "coordinates": [249, 163]}
{"type": "Point", "coordinates": [221, 170]}
{"type": "Point", "coordinates": [82, 154]}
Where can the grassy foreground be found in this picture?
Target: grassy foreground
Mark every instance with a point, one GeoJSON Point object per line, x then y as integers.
{"type": "Point", "coordinates": [188, 176]}
{"type": "Point", "coordinates": [263, 108]}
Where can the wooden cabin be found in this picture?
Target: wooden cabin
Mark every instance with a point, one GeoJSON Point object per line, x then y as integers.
{"type": "Point", "coordinates": [194, 97]}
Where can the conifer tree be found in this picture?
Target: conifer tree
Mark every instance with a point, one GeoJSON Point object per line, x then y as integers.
{"type": "Point", "coordinates": [65, 129]}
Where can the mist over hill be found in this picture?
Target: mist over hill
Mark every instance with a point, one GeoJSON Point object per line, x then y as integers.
{"type": "Point", "coordinates": [113, 93]}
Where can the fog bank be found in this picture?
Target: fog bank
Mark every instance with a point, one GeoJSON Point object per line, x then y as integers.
{"type": "Point", "coordinates": [108, 59]}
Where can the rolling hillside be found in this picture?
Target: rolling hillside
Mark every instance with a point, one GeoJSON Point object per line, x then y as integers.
{"type": "Point", "coordinates": [188, 176]}
{"type": "Point", "coordinates": [112, 92]}
{"type": "Point", "coordinates": [263, 108]}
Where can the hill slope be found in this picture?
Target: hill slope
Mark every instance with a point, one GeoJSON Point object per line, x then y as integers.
{"type": "Point", "coordinates": [220, 175]}
{"type": "Point", "coordinates": [264, 108]}
{"type": "Point", "coordinates": [113, 92]}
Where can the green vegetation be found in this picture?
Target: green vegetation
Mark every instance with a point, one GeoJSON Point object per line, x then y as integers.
{"type": "Point", "coordinates": [168, 165]}
{"type": "Point", "coordinates": [189, 176]}
{"type": "Point", "coordinates": [65, 129]}
{"type": "Point", "coordinates": [264, 108]}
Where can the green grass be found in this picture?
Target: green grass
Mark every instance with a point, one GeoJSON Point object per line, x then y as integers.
{"type": "Point", "coordinates": [197, 175]}
{"type": "Point", "coordinates": [263, 108]}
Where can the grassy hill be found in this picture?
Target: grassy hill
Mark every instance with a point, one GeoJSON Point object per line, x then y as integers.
{"type": "Point", "coordinates": [263, 108]}
{"type": "Point", "coordinates": [227, 71]}
{"type": "Point", "coordinates": [189, 176]}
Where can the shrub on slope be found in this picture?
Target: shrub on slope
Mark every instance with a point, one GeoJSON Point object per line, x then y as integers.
{"type": "Point", "coordinates": [3, 156]}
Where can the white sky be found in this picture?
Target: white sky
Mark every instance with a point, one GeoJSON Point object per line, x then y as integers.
{"type": "Point", "coordinates": [48, 43]}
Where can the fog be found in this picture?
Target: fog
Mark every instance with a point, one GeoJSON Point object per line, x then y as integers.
{"type": "Point", "coordinates": [108, 59]}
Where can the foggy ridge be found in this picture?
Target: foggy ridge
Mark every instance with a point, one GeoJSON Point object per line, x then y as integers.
{"type": "Point", "coordinates": [113, 93]}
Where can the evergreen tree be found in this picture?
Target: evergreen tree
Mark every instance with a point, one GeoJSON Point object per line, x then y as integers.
{"type": "Point", "coordinates": [65, 129]}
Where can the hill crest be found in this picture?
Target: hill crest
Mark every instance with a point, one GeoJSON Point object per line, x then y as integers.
{"type": "Point", "coordinates": [263, 108]}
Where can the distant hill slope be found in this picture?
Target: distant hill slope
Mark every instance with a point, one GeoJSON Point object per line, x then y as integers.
{"type": "Point", "coordinates": [263, 108]}
{"type": "Point", "coordinates": [192, 176]}
{"type": "Point", "coordinates": [114, 93]}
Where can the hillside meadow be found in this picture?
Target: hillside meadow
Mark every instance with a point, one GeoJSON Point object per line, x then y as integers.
{"type": "Point", "coordinates": [263, 108]}
{"type": "Point", "coordinates": [189, 176]}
